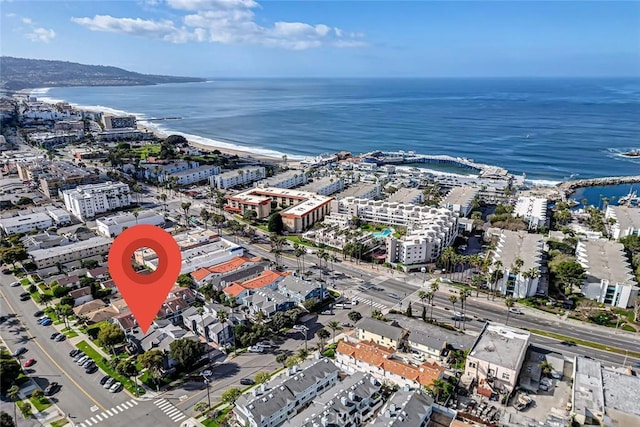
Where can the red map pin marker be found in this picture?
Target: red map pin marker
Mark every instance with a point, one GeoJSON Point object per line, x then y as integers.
{"type": "Point", "coordinates": [144, 293]}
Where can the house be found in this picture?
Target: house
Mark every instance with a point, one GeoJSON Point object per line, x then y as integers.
{"type": "Point", "coordinates": [69, 281]}
{"type": "Point", "coordinates": [268, 279]}
{"type": "Point", "coordinates": [383, 363]}
{"type": "Point", "coordinates": [280, 399]}
{"type": "Point", "coordinates": [405, 408]}
{"type": "Point", "coordinates": [208, 326]}
{"type": "Point", "coordinates": [386, 334]}
{"type": "Point", "coordinates": [95, 311]}
{"type": "Point", "coordinates": [496, 358]}
{"type": "Point", "coordinates": [351, 402]}
{"type": "Point", "coordinates": [235, 270]}
{"type": "Point", "coordinates": [126, 321]}
{"type": "Point", "coordinates": [300, 290]}
{"type": "Point", "coordinates": [268, 302]}
{"type": "Point", "coordinates": [98, 272]}
{"type": "Point", "coordinates": [81, 296]}
{"type": "Point", "coordinates": [171, 309]}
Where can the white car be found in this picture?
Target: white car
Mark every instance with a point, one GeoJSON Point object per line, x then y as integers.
{"type": "Point", "coordinates": [515, 310]}
{"type": "Point", "coordinates": [299, 327]}
{"type": "Point", "coordinates": [115, 388]}
{"type": "Point", "coordinates": [256, 349]}
{"type": "Point", "coordinates": [15, 284]}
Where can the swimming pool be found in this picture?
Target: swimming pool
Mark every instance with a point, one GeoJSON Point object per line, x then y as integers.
{"type": "Point", "coordinates": [384, 233]}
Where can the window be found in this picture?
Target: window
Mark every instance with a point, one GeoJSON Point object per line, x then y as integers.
{"type": "Point", "coordinates": [492, 372]}
{"type": "Point", "coordinates": [505, 376]}
{"type": "Point", "coordinates": [472, 365]}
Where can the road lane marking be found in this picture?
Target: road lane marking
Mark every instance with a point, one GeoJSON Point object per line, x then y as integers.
{"type": "Point", "coordinates": [104, 414]}
{"type": "Point", "coordinates": [33, 339]}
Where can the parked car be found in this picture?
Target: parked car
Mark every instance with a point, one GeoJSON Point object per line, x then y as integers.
{"type": "Point", "coordinates": [42, 319]}
{"type": "Point", "coordinates": [51, 388]}
{"type": "Point", "coordinates": [109, 383]}
{"type": "Point", "coordinates": [91, 369]}
{"type": "Point", "coordinates": [87, 363]}
{"type": "Point", "coordinates": [38, 313]}
{"type": "Point", "coordinates": [82, 359]}
{"type": "Point", "coordinates": [54, 335]}
{"type": "Point", "coordinates": [104, 379]}
{"type": "Point", "coordinates": [515, 310]}
{"type": "Point", "coordinates": [25, 296]}
{"type": "Point", "coordinates": [15, 284]}
{"type": "Point", "coordinates": [265, 344]}
{"type": "Point", "coordinates": [19, 352]}
{"type": "Point", "coordinates": [246, 381]}
{"type": "Point", "coordinates": [115, 388]}
{"type": "Point", "coordinates": [74, 352]}
{"type": "Point", "coordinates": [29, 362]}
{"type": "Point", "coordinates": [256, 349]}
{"type": "Point", "coordinates": [347, 325]}
{"type": "Point", "coordinates": [78, 356]}
{"type": "Point", "coordinates": [299, 327]}
{"type": "Point", "coordinates": [47, 322]}
{"type": "Point", "coordinates": [327, 312]}
{"type": "Point", "coordinates": [60, 338]}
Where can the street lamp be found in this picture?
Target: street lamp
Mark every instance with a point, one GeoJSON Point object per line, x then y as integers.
{"type": "Point", "coordinates": [423, 270]}
{"type": "Point", "coordinates": [206, 382]}
{"type": "Point", "coordinates": [304, 331]}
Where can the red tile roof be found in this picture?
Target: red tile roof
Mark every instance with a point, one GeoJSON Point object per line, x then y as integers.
{"type": "Point", "coordinates": [225, 267]}
{"type": "Point", "coordinates": [266, 278]}
{"type": "Point", "coordinates": [234, 290]}
{"type": "Point", "coordinates": [200, 274]}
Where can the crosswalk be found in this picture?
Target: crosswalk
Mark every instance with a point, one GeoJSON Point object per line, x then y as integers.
{"type": "Point", "coordinates": [172, 412]}
{"type": "Point", "coordinates": [370, 302]}
{"type": "Point", "coordinates": [104, 416]}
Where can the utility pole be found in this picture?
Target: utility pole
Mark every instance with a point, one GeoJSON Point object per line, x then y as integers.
{"type": "Point", "coordinates": [206, 382]}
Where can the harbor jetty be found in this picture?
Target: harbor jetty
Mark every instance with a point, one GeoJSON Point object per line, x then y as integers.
{"type": "Point", "coordinates": [570, 186]}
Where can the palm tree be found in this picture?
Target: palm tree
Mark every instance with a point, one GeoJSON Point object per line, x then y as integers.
{"type": "Point", "coordinates": [515, 270]}
{"type": "Point", "coordinates": [163, 199]}
{"type": "Point", "coordinates": [497, 268]}
{"type": "Point", "coordinates": [509, 303]}
{"type": "Point", "coordinates": [334, 326]}
{"type": "Point", "coordinates": [223, 318]}
{"type": "Point", "coordinates": [546, 367]}
{"type": "Point", "coordinates": [14, 393]}
{"type": "Point", "coordinates": [185, 207]}
{"type": "Point", "coordinates": [422, 295]}
{"type": "Point", "coordinates": [200, 311]}
{"type": "Point", "coordinates": [454, 300]}
{"type": "Point", "coordinates": [440, 387]}
{"type": "Point", "coordinates": [464, 294]}
{"type": "Point", "coordinates": [205, 215]}
{"type": "Point", "coordinates": [136, 213]}
{"type": "Point", "coordinates": [530, 274]}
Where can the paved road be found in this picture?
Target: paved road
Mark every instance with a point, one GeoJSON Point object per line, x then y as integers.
{"type": "Point", "coordinates": [80, 395]}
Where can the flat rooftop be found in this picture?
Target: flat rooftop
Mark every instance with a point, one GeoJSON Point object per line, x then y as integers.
{"type": "Point", "coordinates": [93, 242]}
{"type": "Point", "coordinates": [621, 392]}
{"type": "Point", "coordinates": [127, 218]}
{"type": "Point", "coordinates": [24, 219]}
{"type": "Point", "coordinates": [501, 345]}
{"type": "Point", "coordinates": [236, 172]}
{"type": "Point", "coordinates": [405, 195]}
{"type": "Point", "coordinates": [460, 196]}
{"type": "Point", "coordinates": [194, 170]}
{"type": "Point", "coordinates": [357, 190]}
{"type": "Point", "coordinates": [626, 217]}
{"type": "Point", "coordinates": [319, 183]}
{"type": "Point", "coordinates": [588, 395]}
{"type": "Point", "coordinates": [519, 244]}
{"type": "Point", "coordinates": [604, 259]}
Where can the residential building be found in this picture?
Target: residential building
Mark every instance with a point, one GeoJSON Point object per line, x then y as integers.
{"type": "Point", "coordinates": [533, 210]}
{"type": "Point", "coordinates": [361, 190]}
{"type": "Point", "coordinates": [587, 398]}
{"type": "Point", "coordinates": [289, 179]}
{"type": "Point", "coordinates": [195, 175]}
{"type": "Point", "coordinates": [512, 246]}
{"type": "Point", "coordinates": [407, 196]}
{"type": "Point", "coordinates": [382, 363]}
{"type": "Point", "coordinates": [113, 225]}
{"type": "Point", "coordinates": [621, 395]}
{"type": "Point", "coordinates": [282, 397]}
{"type": "Point", "coordinates": [52, 176]}
{"type": "Point", "coordinates": [267, 301]}
{"type": "Point", "coordinates": [71, 252]}
{"type": "Point", "coordinates": [351, 402]}
{"type": "Point", "coordinates": [44, 240]}
{"type": "Point", "coordinates": [382, 333]}
{"type": "Point", "coordinates": [110, 121]}
{"type": "Point", "coordinates": [59, 215]}
{"type": "Point", "coordinates": [26, 223]}
{"type": "Point", "coordinates": [627, 220]}
{"type": "Point", "coordinates": [160, 337]}
{"type": "Point", "coordinates": [237, 177]}
{"type": "Point", "coordinates": [405, 408]}
{"type": "Point", "coordinates": [239, 290]}
{"type": "Point", "coordinates": [301, 210]}
{"type": "Point", "coordinates": [460, 199]}
{"type": "Point", "coordinates": [161, 169]}
{"type": "Point", "coordinates": [495, 360]}
{"type": "Point", "coordinates": [300, 290]}
{"type": "Point", "coordinates": [53, 139]}
{"type": "Point", "coordinates": [81, 296]}
{"type": "Point", "coordinates": [236, 269]}
{"type": "Point", "coordinates": [208, 326]}
{"type": "Point", "coordinates": [324, 186]}
{"type": "Point", "coordinates": [86, 201]}
{"type": "Point", "coordinates": [608, 276]}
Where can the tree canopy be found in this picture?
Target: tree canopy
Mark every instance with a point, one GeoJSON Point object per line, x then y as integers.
{"type": "Point", "coordinates": [275, 224]}
{"type": "Point", "coordinates": [9, 371]}
{"type": "Point", "coordinates": [110, 335]}
{"type": "Point", "coordinates": [185, 351]}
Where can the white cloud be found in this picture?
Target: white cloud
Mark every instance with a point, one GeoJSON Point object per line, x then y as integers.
{"type": "Point", "coordinates": [41, 35]}
{"type": "Point", "coordinates": [225, 22]}
{"type": "Point", "coordinates": [27, 21]}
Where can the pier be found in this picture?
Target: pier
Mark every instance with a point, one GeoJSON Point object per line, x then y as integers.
{"type": "Point", "coordinates": [570, 186]}
{"type": "Point", "coordinates": [158, 119]}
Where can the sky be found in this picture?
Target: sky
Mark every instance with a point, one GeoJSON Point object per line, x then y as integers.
{"type": "Point", "coordinates": [254, 38]}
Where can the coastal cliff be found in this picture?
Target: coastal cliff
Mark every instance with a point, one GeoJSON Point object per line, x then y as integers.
{"type": "Point", "coordinates": [23, 73]}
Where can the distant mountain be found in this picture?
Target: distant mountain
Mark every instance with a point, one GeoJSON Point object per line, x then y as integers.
{"type": "Point", "coordinates": [22, 73]}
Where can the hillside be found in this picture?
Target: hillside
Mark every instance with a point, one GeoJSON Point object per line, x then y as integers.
{"type": "Point", "coordinates": [21, 73]}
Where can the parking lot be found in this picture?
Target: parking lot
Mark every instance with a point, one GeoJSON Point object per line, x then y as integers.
{"type": "Point", "coordinates": [545, 403]}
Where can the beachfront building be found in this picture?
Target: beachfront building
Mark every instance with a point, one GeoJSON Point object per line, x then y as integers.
{"type": "Point", "coordinates": [361, 190]}
{"type": "Point", "coordinates": [113, 225]}
{"type": "Point", "coordinates": [514, 248]}
{"type": "Point", "coordinates": [74, 251]}
{"type": "Point", "coordinates": [424, 244]}
{"type": "Point", "coordinates": [412, 196]}
{"type": "Point", "coordinates": [460, 199]}
{"type": "Point", "coordinates": [160, 169]}
{"type": "Point", "coordinates": [289, 179]}
{"type": "Point", "coordinates": [532, 210]}
{"type": "Point", "coordinates": [496, 358]}
{"type": "Point", "coordinates": [25, 223]}
{"type": "Point", "coordinates": [237, 177]}
{"type": "Point", "coordinates": [608, 278]}
{"type": "Point", "coordinates": [52, 139]}
{"type": "Point", "coordinates": [281, 398]}
{"type": "Point", "coordinates": [86, 201]}
{"type": "Point", "coordinates": [325, 186]}
{"type": "Point", "coordinates": [194, 175]}
{"type": "Point", "coordinates": [302, 209]}
{"type": "Point", "coordinates": [626, 220]}
{"type": "Point", "coordinates": [110, 121]}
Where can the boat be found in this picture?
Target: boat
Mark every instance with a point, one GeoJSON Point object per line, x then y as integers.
{"type": "Point", "coordinates": [630, 199]}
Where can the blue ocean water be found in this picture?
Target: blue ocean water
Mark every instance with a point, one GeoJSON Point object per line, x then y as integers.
{"type": "Point", "coordinates": [550, 129]}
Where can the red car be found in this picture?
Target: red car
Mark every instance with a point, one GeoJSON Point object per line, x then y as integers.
{"type": "Point", "coordinates": [29, 362]}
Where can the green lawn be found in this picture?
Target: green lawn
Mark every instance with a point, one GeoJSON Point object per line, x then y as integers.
{"type": "Point", "coordinates": [60, 423]}
{"type": "Point", "coordinates": [70, 333]}
{"type": "Point", "coordinates": [585, 343]}
{"type": "Point", "coordinates": [103, 364]}
{"type": "Point", "coordinates": [25, 282]}
{"type": "Point", "coordinates": [40, 404]}
{"type": "Point", "coordinates": [216, 421]}
{"type": "Point", "coordinates": [22, 406]}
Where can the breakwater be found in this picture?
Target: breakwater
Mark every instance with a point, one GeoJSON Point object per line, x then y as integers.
{"type": "Point", "coordinates": [570, 186]}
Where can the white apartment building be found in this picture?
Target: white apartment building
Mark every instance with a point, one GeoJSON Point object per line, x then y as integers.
{"type": "Point", "coordinates": [608, 278]}
{"type": "Point", "coordinates": [238, 177]}
{"type": "Point", "coordinates": [513, 245]}
{"type": "Point", "coordinates": [71, 252]}
{"type": "Point", "coordinates": [86, 201]}
{"type": "Point", "coordinates": [59, 216]}
{"type": "Point", "coordinates": [425, 244]}
{"type": "Point", "coordinates": [118, 122]}
{"type": "Point", "coordinates": [194, 175]}
{"type": "Point", "coordinates": [112, 226]}
{"type": "Point", "coordinates": [281, 398]}
{"type": "Point", "coordinates": [324, 186]}
{"type": "Point", "coordinates": [288, 179]}
{"type": "Point", "coordinates": [496, 358]}
{"type": "Point", "coordinates": [533, 210]}
{"type": "Point", "coordinates": [26, 223]}
{"type": "Point", "coordinates": [361, 190]}
{"type": "Point", "coordinates": [413, 196]}
{"type": "Point", "coordinates": [460, 199]}
{"type": "Point", "coordinates": [627, 220]}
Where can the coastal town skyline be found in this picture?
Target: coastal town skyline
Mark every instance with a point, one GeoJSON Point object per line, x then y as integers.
{"type": "Point", "coordinates": [245, 38]}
